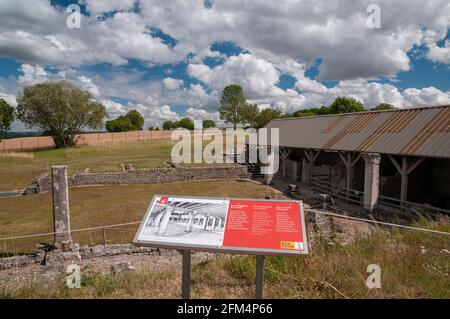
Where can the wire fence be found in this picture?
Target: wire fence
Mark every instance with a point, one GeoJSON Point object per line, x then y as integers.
{"type": "Point", "coordinates": [124, 233]}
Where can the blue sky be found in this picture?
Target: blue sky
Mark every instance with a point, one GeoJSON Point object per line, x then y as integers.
{"type": "Point", "coordinates": [172, 59]}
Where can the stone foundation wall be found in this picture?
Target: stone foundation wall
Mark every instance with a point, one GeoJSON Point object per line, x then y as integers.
{"type": "Point", "coordinates": [144, 176]}
{"type": "Point", "coordinates": [81, 253]}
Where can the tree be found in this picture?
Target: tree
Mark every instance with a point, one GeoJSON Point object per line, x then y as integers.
{"type": "Point", "coordinates": [209, 124]}
{"type": "Point", "coordinates": [231, 102]}
{"type": "Point", "coordinates": [168, 125]}
{"type": "Point", "coordinates": [312, 111]}
{"type": "Point", "coordinates": [136, 119]}
{"type": "Point", "coordinates": [345, 105]}
{"type": "Point", "coordinates": [186, 123]}
{"type": "Point", "coordinates": [6, 117]}
{"type": "Point", "coordinates": [132, 121]}
{"type": "Point", "coordinates": [249, 114]}
{"type": "Point", "coordinates": [383, 106]}
{"type": "Point", "coordinates": [60, 108]}
{"type": "Point", "coordinates": [267, 115]}
{"type": "Point", "coordinates": [120, 124]}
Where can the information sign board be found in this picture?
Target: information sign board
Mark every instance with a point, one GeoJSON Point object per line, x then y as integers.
{"type": "Point", "coordinates": [249, 226]}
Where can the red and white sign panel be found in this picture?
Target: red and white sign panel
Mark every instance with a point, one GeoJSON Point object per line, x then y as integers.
{"type": "Point", "coordinates": [269, 227]}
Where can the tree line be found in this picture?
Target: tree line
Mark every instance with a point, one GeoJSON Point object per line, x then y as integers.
{"type": "Point", "coordinates": [63, 111]}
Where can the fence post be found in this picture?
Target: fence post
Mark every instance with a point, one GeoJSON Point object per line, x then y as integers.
{"type": "Point", "coordinates": [104, 236]}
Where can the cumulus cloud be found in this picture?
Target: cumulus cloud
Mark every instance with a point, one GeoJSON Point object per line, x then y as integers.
{"type": "Point", "coordinates": [10, 99]}
{"type": "Point", "coordinates": [426, 97]}
{"type": "Point", "coordinates": [105, 6]}
{"type": "Point", "coordinates": [335, 33]}
{"type": "Point", "coordinates": [201, 114]}
{"type": "Point", "coordinates": [32, 74]}
{"type": "Point", "coordinates": [172, 84]}
{"type": "Point", "coordinates": [439, 54]}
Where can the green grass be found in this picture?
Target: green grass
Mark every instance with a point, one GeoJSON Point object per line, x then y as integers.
{"type": "Point", "coordinates": [330, 271]}
{"type": "Point", "coordinates": [16, 172]}
{"type": "Point", "coordinates": [103, 205]}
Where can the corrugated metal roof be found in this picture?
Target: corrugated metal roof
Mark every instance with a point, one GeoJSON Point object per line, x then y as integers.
{"type": "Point", "coordinates": [412, 132]}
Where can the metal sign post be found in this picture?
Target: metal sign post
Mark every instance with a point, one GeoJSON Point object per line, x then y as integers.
{"type": "Point", "coordinates": [259, 277]}
{"type": "Point", "coordinates": [186, 275]}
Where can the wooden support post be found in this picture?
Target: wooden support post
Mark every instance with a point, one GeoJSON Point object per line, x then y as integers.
{"type": "Point", "coordinates": [284, 152]}
{"type": "Point", "coordinates": [311, 156]}
{"type": "Point", "coordinates": [259, 277]}
{"type": "Point", "coordinates": [405, 169]}
{"type": "Point", "coordinates": [186, 275]}
{"type": "Point", "coordinates": [349, 163]}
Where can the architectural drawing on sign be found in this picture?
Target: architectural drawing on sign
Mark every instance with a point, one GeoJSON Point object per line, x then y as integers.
{"type": "Point", "coordinates": [187, 219]}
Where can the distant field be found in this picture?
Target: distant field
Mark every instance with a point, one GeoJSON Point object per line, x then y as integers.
{"type": "Point", "coordinates": [17, 172]}
{"type": "Point", "coordinates": [98, 206]}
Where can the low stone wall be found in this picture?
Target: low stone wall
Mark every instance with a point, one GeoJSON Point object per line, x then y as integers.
{"type": "Point", "coordinates": [143, 176]}
{"type": "Point", "coordinates": [81, 253]}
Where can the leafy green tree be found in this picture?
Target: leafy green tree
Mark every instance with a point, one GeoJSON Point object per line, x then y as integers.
{"type": "Point", "coordinates": [345, 105]}
{"type": "Point", "coordinates": [132, 121]}
{"type": "Point", "coordinates": [231, 103]}
{"type": "Point", "coordinates": [6, 117]}
{"type": "Point", "coordinates": [169, 125]}
{"type": "Point", "coordinates": [136, 119]}
{"type": "Point", "coordinates": [265, 116]}
{"type": "Point", "coordinates": [383, 106]}
{"type": "Point", "coordinates": [186, 123]}
{"type": "Point", "coordinates": [312, 111]}
{"type": "Point", "coordinates": [249, 114]}
{"type": "Point", "coordinates": [60, 108]}
{"type": "Point", "coordinates": [120, 124]}
{"type": "Point", "coordinates": [209, 124]}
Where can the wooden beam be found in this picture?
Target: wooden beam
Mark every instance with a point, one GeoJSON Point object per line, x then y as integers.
{"type": "Point", "coordinates": [414, 166]}
{"type": "Point", "coordinates": [344, 160]}
{"type": "Point", "coordinates": [394, 161]}
{"type": "Point", "coordinates": [404, 182]}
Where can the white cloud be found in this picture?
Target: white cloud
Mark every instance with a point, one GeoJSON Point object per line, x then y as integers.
{"type": "Point", "coordinates": [32, 74]}
{"type": "Point", "coordinates": [335, 32]}
{"type": "Point", "coordinates": [10, 99]}
{"type": "Point", "coordinates": [88, 85]}
{"type": "Point", "coordinates": [105, 6]}
{"type": "Point", "coordinates": [201, 114]}
{"type": "Point", "coordinates": [172, 84]}
{"type": "Point", "coordinates": [256, 76]}
{"type": "Point", "coordinates": [426, 97]}
{"type": "Point", "coordinates": [439, 54]}
{"type": "Point", "coordinates": [114, 109]}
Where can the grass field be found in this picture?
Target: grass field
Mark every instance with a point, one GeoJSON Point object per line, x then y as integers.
{"type": "Point", "coordinates": [413, 265]}
{"type": "Point", "coordinates": [17, 172]}
{"type": "Point", "coordinates": [106, 205]}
